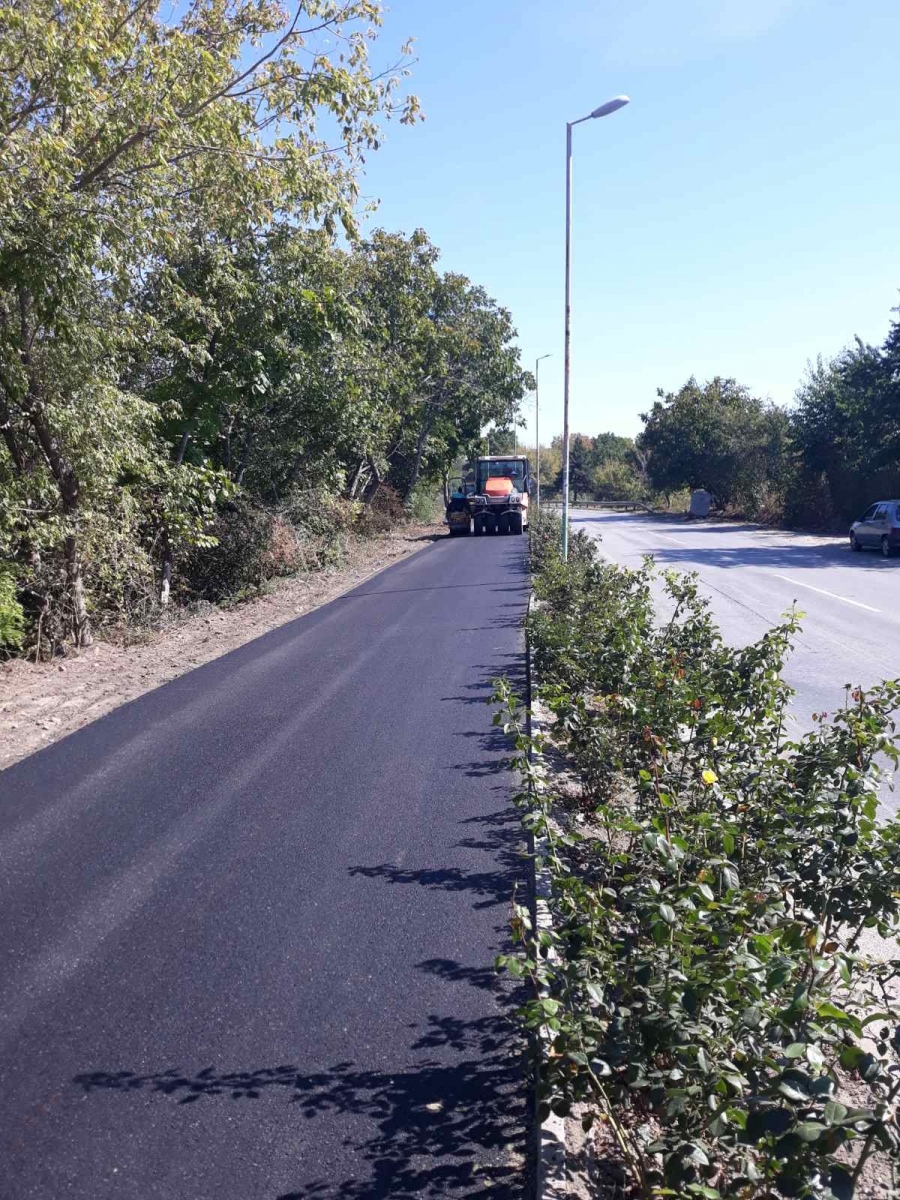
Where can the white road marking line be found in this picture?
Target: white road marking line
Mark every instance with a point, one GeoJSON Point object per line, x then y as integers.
{"type": "Point", "coordinates": [822, 592]}
{"type": "Point", "coordinates": [681, 542]}
{"type": "Point", "coordinates": [796, 582]}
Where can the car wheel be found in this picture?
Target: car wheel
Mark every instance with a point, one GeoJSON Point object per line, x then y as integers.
{"type": "Point", "coordinates": [516, 523]}
{"type": "Point", "coordinates": [854, 542]}
{"type": "Point", "coordinates": [886, 548]}
{"type": "Point", "coordinates": [478, 526]}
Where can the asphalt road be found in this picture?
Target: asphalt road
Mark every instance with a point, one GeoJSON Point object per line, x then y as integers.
{"type": "Point", "coordinates": [751, 576]}
{"type": "Point", "coordinates": [247, 922]}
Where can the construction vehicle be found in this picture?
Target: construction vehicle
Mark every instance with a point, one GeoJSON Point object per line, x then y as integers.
{"type": "Point", "coordinates": [492, 496]}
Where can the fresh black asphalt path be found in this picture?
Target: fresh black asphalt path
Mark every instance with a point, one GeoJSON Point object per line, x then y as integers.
{"type": "Point", "coordinates": [247, 922]}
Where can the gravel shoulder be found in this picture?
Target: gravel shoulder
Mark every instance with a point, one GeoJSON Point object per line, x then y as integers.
{"type": "Point", "coordinates": [41, 703]}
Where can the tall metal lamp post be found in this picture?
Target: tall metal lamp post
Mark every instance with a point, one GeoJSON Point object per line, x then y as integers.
{"type": "Point", "coordinates": [537, 427]}
{"type": "Point", "coordinates": [604, 110]}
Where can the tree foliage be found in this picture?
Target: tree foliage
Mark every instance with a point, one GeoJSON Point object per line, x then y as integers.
{"type": "Point", "coordinates": [715, 436]}
{"type": "Point", "coordinates": [181, 335]}
{"type": "Point", "coordinates": [604, 467]}
{"type": "Point", "coordinates": [822, 461]}
{"type": "Point", "coordinates": [846, 427]}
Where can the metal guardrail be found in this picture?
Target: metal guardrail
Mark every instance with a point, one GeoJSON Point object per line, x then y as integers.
{"type": "Point", "coordinates": [614, 505]}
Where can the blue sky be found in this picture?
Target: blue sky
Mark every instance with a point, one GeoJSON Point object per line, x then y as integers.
{"type": "Point", "coordinates": [738, 218]}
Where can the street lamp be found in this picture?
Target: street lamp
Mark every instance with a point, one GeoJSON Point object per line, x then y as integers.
{"type": "Point", "coordinates": [537, 427]}
{"type": "Point", "coordinates": [604, 110]}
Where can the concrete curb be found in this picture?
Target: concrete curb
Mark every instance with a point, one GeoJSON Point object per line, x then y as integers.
{"type": "Point", "coordinates": [550, 1134]}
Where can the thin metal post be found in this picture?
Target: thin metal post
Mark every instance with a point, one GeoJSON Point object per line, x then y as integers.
{"type": "Point", "coordinates": [565, 448]}
{"type": "Point", "coordinates": [537, 431]}
{"type": "Point", "coordinates": [604, 110]}
{"type": "Point", "coordinates": [537, 425]}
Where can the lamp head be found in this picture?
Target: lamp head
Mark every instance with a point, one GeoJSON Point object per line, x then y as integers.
{"type": "Point", "coordinates": [611, 106]}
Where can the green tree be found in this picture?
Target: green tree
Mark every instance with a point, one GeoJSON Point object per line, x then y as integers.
{"type": "Point", "coordinates": [616, 479]}
{"type": "Point", "coordinates": [716, 436]}
{"type": "Point", "coordinates": [438, 357]}
{"type": "Point", "coordinates": [474, 376]}
{"type": "Point", "coordinates": [503, 441]}
{"type": "Point", "coordinates": [580, 466]}
{"type": "Point", "coordinates": [845, 429]}
{"type": "Point", "coordinates": [127, 138]}
{"type": "Point", "coordinates": [611, 447]}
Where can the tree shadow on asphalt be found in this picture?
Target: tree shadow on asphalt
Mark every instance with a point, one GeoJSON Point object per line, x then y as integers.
{"type": "Point", "coordinates": [495, 887]}
{"type": "Point", "coordinates": [481, 692]}
{"type": "Point", "coordinates": [499, 835]}
{"type": "Point", "coordinates": [437, 1129]}
{"type": "Point", "coordinates": [485, 978]}
{"type": "Point", "coordinates": [797, 557]}
{"type": "Point", "coordinates": [496, 746]}
{"type": "Point", "coordinates": [655, 520]}
{"type": "Point", "coordinates": [491, 740]}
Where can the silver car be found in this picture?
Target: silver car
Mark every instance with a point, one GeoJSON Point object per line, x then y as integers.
{"type": "Point", "coordinates": [878, 528]}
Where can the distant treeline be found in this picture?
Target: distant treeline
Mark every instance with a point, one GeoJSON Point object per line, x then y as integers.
{"type": "Point", "coordinates": [817, 464]}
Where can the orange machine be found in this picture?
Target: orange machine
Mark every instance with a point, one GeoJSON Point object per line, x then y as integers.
{"type": "Point", "coordinates": [494, 498]}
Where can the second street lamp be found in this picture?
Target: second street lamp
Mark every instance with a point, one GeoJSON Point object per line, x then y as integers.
{"type": "Point", "coordinates": [604, 110]}
{"type": "Point", "coordinates": [537, 427]}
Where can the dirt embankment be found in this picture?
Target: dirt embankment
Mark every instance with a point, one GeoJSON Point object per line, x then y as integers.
{"type": "Point", "coordinates": [40, 703]}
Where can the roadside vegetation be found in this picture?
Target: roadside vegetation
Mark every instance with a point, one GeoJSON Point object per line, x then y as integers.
{"type": "Point", "coordinates": [208, 376]}
{"type": "Point", "coordinates": [707, 995]}
{"type": "Point", "coordinates": [816, 465]}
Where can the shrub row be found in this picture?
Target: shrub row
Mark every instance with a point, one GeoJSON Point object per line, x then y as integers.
{"type": "Point", "coordinates": [246, 546]}
{"type": "Point", "coordinates": [708, 989]}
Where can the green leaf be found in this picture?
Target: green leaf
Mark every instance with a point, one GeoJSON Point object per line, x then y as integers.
{"type": "Point", "coordinates": [792, 1092]}
{"type": "Point", "coordinates": [827, 1009]}
{"type": "Point", "coordinates": [809, 1131]}
{"type": "Point", "coordinates": [841, 1182]}
{"type": "Point", "coordinates": [814, 1056]}
{"type": "Point", "coordinates": [694, 1152]}
{"type": "Point", "coordinates": [835, 1112]}
{"type": "Point", "coordinates": [850, 1057]}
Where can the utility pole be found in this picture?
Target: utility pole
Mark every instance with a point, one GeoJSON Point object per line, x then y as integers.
{"type": "Point", "coordinates": [604, 110]}
{"type": "Point", "coordinates": [537, 426]}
